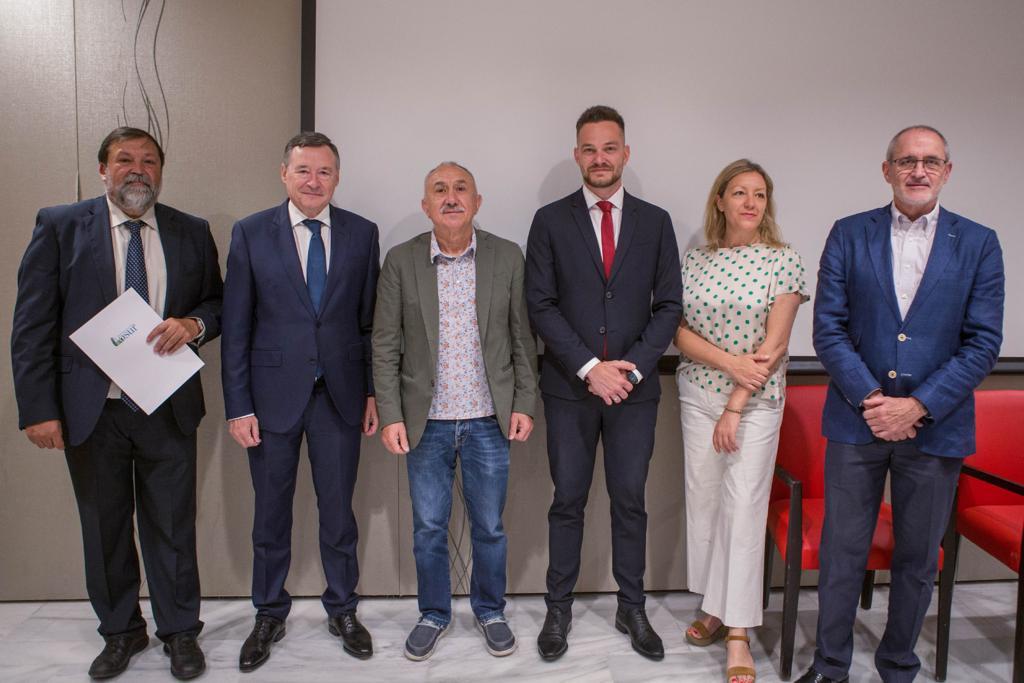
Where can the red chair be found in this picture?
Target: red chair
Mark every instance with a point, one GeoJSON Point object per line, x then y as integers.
{"type": "Point", "coordinates": [989, 509]}
{"type": "Point", "coordinates": [796, 511]}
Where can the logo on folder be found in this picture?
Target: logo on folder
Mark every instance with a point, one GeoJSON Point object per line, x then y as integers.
{"type": "Point", "coordinates": [119, 339]}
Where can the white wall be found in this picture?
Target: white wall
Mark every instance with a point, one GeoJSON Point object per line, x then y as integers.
{"type": "Point", "coordinates": [812, 90]}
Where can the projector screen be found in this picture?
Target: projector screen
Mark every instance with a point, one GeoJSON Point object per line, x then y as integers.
{"type": "Point", "coordinates": [811, 90]}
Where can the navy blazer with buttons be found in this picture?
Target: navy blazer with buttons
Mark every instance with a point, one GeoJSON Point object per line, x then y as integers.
{"type": "Point", "coordinates": [943, 349]}
{"type": "Point", "coordinates": [273, 339]}
{"type": "Point", "coordinates": [66, 277]}
{"type": "Point", "coordinates": [576, 310]}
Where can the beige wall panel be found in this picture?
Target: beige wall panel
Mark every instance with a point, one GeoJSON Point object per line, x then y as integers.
{"type": "Point", "coordinates": [38, 519]}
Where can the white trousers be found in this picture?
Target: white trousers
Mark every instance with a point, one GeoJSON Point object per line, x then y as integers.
{"type": "Point", "coordinates": [727, 503]}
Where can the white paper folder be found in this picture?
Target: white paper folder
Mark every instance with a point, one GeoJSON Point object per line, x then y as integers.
{"type": "Point", "coordinates": [115, 339]}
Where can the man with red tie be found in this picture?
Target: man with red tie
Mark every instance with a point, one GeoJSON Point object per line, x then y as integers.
{"type": "Point", "coordinates": [606, 312]}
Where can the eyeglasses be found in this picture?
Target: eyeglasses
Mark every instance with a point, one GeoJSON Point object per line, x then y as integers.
{"type": "Point", "coordinates": [931, 164]}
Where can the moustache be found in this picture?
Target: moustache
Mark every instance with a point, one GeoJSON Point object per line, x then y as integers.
{"type": "Point", "coordinates": [136, 178]}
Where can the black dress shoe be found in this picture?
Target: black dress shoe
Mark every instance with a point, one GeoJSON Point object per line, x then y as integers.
{"type": "Point", "coordinates": [642, 636]}
{"type": "Point", "coordinates": [117, 653]}
{"type": "Point", "coordinates": [813, 676]}
{"type": "Point", "coordinates": [256, 648]}
{"type": "Point", "coordinates": [551, 642]}
{"type": "Point", "coordinates": [187, 660]}
{"type": "Point", "coordinates": [355, 639]}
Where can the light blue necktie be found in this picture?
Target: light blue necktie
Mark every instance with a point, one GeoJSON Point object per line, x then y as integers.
{"type": "Point", "coordinates": [135, 277]}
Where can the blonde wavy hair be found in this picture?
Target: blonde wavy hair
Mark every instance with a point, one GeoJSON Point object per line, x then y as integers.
{"type": "Point", "coordinates": [768, 232]}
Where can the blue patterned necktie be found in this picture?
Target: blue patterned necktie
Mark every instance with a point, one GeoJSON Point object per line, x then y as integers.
{"type": "Point", "coordinates": [316, 270]}
{"type": "Point", "coordinates": [316, 264]}
{"type": "Point", "coordinates": [135, 277]}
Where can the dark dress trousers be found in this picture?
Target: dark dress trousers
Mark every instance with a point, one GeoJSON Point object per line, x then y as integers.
{"type": "Point", "coordinates": [579, 313]}
{"type": "Point", "coordinates": [117, 458]}
{"type": "Point", "coordinates": [939, 353]}
{"type": "Point", "coordinates": [273, 343]}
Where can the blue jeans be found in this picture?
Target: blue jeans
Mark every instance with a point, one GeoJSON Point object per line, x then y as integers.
{"type": "Point", "coordinates": [483, 451]}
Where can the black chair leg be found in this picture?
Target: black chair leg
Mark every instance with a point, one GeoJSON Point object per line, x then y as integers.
{"type": "Point", "coordinates": [790, 600]}
{"type": "Point", "coordinates": [768, 556]}
{"type": "Point", "coordinates": [947, 582]}
{"type": "Point", "coordinates": [1018, 635]}
{"type": "Point", "coordinates": [867, 589]}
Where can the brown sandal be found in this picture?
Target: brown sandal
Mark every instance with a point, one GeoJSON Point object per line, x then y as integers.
{"type": "Point", "coordinates": [739, 670]}
{"type": "Point", "coordinates": [706, 637]}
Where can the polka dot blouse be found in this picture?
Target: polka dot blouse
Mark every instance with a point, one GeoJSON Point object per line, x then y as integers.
{"type": "Point", "coordinates": [727, 294]}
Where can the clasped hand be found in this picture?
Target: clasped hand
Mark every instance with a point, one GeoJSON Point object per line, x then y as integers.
{"type": "Point", "coordinates": [751, 370]}
{"type": "Point", "coordinates": [892, 418]}
{"type": "Point", "coordinates": [607, 380]}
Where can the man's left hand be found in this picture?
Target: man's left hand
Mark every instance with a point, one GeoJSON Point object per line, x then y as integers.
{"type": "Point", "coordinates": [520, 427]}
{"type": "Point", "coordinates": [893, 419]}
{"type": "Point", "coordinates": [172, 334]}
{"type": "Point", "coordinates": [370, 420]}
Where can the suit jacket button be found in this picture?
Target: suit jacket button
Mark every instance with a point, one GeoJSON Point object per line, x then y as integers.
{"type": "Point", "coordinates": [892, 374]}
{"type": "Point", "coordinates": [902, 337]}
{"type": "Point", "coordinates": [318, 323]}
{"type": "Point", "coordinates": [607, 295]}
{"type": "Point", "coordinates": [601, 330]}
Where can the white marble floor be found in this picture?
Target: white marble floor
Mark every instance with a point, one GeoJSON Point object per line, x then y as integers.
{"type": "Point", "coordinates": [56, 641]}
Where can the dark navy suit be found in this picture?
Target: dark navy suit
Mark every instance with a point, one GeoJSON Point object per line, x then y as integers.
{"type": "Point", "coordinates": [117, 458]}
{"type": "Point", "coordinates": [273, 343]}
{"type": "Point", "coordinates": [939, 353]}
{"type": "Point", "coordinates": [579, 313]}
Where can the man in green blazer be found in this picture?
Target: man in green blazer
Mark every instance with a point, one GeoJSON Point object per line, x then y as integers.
{"type": "Point", "coordinates": [454, 366]}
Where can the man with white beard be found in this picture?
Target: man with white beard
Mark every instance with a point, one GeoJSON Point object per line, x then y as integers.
{"type": "Point", "coordinates": [81, 257]}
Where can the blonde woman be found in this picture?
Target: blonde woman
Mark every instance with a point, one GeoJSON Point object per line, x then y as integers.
{"type": "Point", "coordinates": [741, 292]}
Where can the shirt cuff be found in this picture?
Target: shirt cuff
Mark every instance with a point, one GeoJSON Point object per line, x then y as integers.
{"type": "Point", "coordinates": [202, 331]}
{"type": "Point", "coordinates": [639, 375]}
{"type": "Point", "coordinates": [240, 417]}
{"type": "Point", "coordinates": [582, 372]}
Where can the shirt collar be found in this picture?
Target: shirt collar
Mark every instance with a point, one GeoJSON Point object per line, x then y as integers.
{"type": "Point", "coordinates": [119, 217]}
{"type": "Point", "coordinates": [592, 199]}
{"type": "Point", "coordinates": [901, 222]}
{"type": "Point", "coordinates": [297, 216]}
{"type": "Point", "coordinates": [435, 248]}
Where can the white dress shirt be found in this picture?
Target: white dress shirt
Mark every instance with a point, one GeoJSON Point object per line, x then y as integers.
{"type": "Point", "coordinates": [303, 236]}
{"type": "Point", "coordinates": [595, 217]}
{"type": "Point", "coordinates": [152, 251]}
{"type": "Point", "coordinates": [911, 245]}
{"type": "Point", "coordinates": [596, 214]}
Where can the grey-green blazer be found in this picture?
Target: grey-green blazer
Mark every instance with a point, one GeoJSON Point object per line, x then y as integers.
{"type": "Point", "coordinates": [405, 332]}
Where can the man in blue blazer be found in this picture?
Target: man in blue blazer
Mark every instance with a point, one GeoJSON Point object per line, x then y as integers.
{"type": "Point", "coordinates": [81, 257]}
{"type": "Point", "coordinates": [907, 322]}
{"type": "Point", "coordinates": [604, 292]}
{"type": "Point", "coordinates": [295, 359]}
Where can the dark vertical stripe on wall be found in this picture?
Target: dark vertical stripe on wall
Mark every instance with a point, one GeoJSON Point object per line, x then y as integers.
{"type": "Point", "coordinates": [307, 87]}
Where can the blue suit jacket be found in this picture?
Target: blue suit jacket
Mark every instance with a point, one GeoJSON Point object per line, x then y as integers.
{"type": "Point", "coordinates": [66, 277]}
{"type": "Point", "coordinates": [575, 309]}
{"type": "Point", "coordinates": [939, 354]}
{"type": "Point", "coordinates": [273, 339]}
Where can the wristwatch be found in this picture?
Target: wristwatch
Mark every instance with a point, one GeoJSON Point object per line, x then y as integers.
{"type": "Point", "coordinates": [633, 378]}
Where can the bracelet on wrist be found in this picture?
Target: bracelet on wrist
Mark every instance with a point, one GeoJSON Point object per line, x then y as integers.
{"type": "Point", "coordinates": [733, 410]}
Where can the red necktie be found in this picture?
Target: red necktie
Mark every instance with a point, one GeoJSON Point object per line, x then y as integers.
{"type": "Point", "coordinates": [607, 237]}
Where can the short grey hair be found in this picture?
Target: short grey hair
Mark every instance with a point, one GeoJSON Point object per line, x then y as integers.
{"type": "Point", "coordinates": [455, 164]}
{"type": "Point", "coordinates": [895, 138]}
